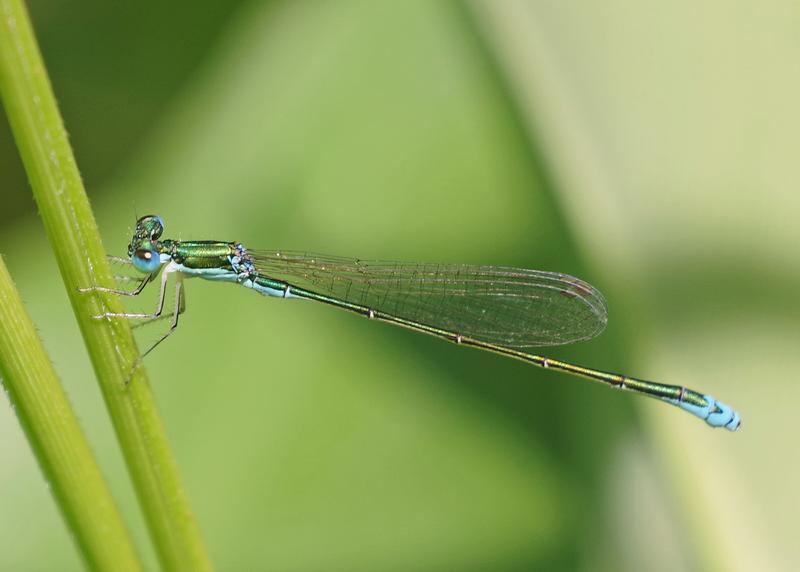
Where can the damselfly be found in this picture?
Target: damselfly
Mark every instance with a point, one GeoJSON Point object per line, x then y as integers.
{"type": "Point", "coordinates": [500, 309]}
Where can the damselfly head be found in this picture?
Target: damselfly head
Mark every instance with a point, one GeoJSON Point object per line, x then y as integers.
{"type": "Point", "coordinates": [143, 248]}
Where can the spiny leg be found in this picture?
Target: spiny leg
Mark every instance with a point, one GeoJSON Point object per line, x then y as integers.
{"type": "Point", "coordinates": [136, 325]}
{"type": "Point", "coordinates": [119, 260]}
{"type": "Point", "coordinates": [135, 292]}
{"type": "Point", "coordinates": [180, 308]}
{"type": "Point", "coordinates": [125, 278]}
{"type": "Point", "coordinates": [140, 315]}
{"type": "Point", "coordinates": [147, 322]}
{"type": "Point", "coordinates": [121, 278]}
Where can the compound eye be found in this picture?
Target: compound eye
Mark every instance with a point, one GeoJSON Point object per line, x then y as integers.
{"type": "Point", "coordinates": [147, 261]}
{"type": "Point", "coordinates": [157, 227]}
{"type": "Point", "coordinates": [150, 226]}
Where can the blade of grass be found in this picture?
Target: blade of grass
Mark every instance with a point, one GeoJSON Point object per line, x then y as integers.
{"type": "Point", "coordinates": [57, 440]}
{"type": "Point", "coordinates": [72, 231]}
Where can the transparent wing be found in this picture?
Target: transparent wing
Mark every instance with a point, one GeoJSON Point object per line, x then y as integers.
{"type": "Point", "coordinates": [513, 307]}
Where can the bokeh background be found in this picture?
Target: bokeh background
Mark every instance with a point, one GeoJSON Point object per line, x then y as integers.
{"type": "Point", "coordinates": [648, 147]}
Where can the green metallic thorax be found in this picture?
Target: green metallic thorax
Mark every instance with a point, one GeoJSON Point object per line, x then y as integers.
{"type": "Point", "coordinates": [199, 254]}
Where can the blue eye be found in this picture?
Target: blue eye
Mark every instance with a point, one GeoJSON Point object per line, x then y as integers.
{"type": "Point", "coordinates": [147, 261]}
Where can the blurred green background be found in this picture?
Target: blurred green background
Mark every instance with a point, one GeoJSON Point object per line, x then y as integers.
{"type": "Point", "coordinates": [649, 148]}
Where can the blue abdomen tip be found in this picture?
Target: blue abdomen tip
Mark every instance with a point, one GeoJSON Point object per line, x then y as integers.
{"type": "Point", "coordinates": [722, 415]}
{"type": "Point", "coordinates": [715, 413]}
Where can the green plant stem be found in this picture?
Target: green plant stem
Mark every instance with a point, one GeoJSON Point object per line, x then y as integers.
{"type": "Point", "coordinates": [72, 231]}
{"type": "Point", "coordinates": [57, 440]}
